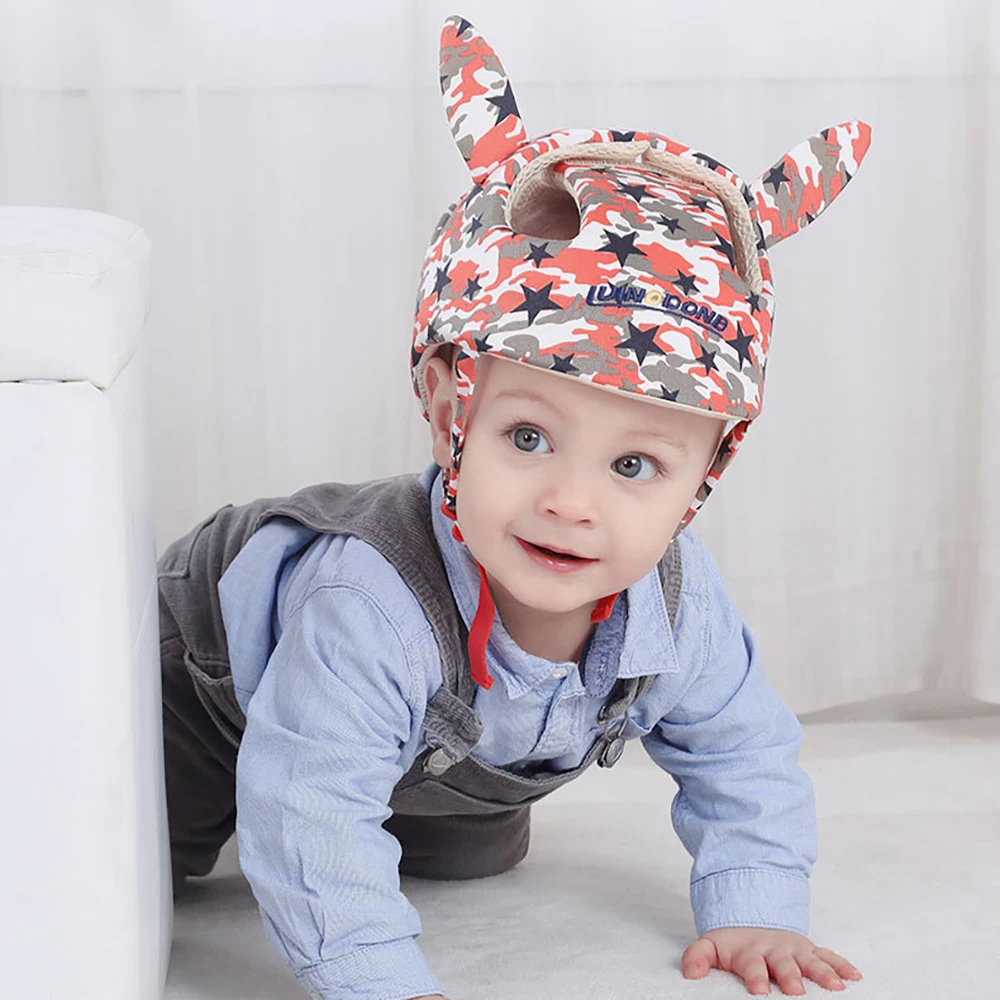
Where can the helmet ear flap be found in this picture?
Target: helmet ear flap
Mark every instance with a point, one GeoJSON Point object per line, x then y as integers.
{"type": "Point", "coordinates": [478, 99]}
{"type": "Point", "coordinates": [800, 186]}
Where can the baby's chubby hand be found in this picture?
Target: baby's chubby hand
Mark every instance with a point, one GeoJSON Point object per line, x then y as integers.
{"type": "Point", "coordinates": [756, 953]}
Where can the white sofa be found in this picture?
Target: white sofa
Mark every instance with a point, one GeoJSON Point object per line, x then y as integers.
{"type": "Point", "coordinates": [84, 863]}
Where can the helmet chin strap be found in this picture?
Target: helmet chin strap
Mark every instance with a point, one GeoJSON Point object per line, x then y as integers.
{"type": "Point", "coordinates": [482, 624]}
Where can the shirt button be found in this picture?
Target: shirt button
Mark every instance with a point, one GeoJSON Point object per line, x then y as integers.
{"type": "Point", "coordinates": [558, 673]}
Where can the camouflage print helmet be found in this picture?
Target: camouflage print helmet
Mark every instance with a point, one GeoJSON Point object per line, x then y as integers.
{"type": "Point", "coordinates": [648, 274]}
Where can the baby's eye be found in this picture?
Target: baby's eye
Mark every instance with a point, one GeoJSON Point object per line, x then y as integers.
{"type": "Point", "coordinates": [526, 437]}
{"type": "Point", "coordinates": [629, 466]}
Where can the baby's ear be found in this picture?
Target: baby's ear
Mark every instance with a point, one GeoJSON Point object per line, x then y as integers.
{"type": "Point", "coordinates": [804, 181]}
{"type": "Point", "coordinates": [478, 100]}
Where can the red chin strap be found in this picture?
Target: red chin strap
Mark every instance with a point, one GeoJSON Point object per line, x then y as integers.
{"type": "Point", "coordinates": [482, 624]}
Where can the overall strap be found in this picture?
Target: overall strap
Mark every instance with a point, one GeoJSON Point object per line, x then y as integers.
{"type": "Point", "coordinates": [671, 572]}
{"type": "Point", "coordinates": [393, 516]}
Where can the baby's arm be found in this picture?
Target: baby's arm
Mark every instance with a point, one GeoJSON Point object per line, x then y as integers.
{"type": "Point", "coordinates": [744, 810]}
{"type": "Point", "coordinates": [319, 760]}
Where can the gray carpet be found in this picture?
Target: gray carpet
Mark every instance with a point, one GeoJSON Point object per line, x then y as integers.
{"type": "Point", "coordinates": [907, 885]}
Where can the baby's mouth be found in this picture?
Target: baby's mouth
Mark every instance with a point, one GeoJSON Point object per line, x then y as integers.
{"type": "Point", "coordinates": [555, 554]}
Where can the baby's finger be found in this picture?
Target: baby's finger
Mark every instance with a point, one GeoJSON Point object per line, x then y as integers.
{"type": "Point", "coordinates": [819, 971]}
{"type": "Point", "coordinates": [698, 958]}
{"type": "Point", "coordinates": [750, 966]}
{"type": "Point", "coordinates": [785, 971]}
{"type": "Point", "coordinates": [839, 963]}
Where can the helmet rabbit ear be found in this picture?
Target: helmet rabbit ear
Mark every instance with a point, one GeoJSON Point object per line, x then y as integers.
{"type": "Point", "coordinates": [793, 192]}
{"type": "Point", "coordinates": [478, 99]}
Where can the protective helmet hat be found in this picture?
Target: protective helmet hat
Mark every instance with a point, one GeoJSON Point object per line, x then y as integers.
{"type": "Point", "coordinates": [649, 276]}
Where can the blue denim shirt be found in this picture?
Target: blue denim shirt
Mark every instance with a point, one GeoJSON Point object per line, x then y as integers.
{"type": "Point", "coordinates": [334, 663]}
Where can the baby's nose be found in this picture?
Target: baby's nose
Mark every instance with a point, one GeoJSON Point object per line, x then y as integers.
{"type": "Point", "coordinates": [570, 500]}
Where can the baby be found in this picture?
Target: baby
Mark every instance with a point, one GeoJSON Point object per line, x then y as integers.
{"type": "Point", "coordinates": [589, 350]}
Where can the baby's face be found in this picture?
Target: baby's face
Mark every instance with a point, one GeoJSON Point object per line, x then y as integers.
{"type": "Point", "coordinates": [549, 461]}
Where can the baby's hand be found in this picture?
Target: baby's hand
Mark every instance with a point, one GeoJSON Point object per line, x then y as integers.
{"type": "Point", "coordinates": [751, 952]}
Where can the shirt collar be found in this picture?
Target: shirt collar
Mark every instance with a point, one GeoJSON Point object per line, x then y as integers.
{"type": "Point", "coordinates": [648, 646]}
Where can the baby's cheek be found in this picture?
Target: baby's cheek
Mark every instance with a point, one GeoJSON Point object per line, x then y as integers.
{"type": "Point", "coordinates": [635, 554]}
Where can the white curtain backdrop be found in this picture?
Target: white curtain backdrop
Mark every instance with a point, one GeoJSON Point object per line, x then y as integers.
{"type": "Point", "coordinates": [289, 160]}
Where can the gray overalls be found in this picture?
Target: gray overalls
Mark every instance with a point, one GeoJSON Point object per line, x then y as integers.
{"type": "Point", "coordinates": [455, 817]}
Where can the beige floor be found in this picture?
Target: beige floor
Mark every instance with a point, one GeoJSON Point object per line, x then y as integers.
{"type": "Point", "coordinates": [907, 885]}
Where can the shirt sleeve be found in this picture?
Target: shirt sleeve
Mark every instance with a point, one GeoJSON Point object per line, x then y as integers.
{"type": "Point", "coordinates": [744, 810]}
{"type": "Point", "coordinates": [318, 761]}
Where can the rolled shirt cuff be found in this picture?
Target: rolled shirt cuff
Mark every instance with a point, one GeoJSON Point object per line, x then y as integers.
{"type": "Point", "coordinates": [751, 897]}
{"type": "Point", "coordinates": [395, 970]}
